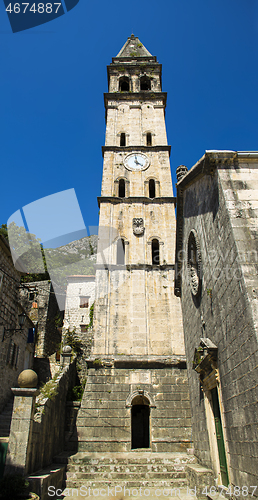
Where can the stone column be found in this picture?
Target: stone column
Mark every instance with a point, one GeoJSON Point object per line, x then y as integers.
{"type": "Point", "coordinates": [17, 459]}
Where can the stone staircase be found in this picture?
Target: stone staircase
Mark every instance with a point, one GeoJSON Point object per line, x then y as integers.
{"type": "Point", "coordinates": [134, 469]}
{"type": "Point", "coordinates": [5, 419]}
{"type": "Point", "coordinates": [71, 442]}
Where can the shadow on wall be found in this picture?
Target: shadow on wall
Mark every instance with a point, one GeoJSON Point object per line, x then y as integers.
{"type": "Point", "coordinates": [42, 368]}
{"type": "Point", "coordinates": [201, 199]}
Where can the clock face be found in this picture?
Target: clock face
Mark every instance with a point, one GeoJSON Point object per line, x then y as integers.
{"type": "Point", "coordinates": [136, 162]}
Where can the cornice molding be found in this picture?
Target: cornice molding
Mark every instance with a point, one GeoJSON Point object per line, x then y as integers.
{"type": "Point", "coordinates": [136, 199]}
{"type": "Point", "coordinates": [147, 95]}
{"type": "Point", "coordinates": [129, 149]}
{"type": "Point", "coordinates": [131, 361]}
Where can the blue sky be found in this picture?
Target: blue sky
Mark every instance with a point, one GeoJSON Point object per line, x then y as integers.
{"type": "Point", "coordinates": [52, 117]}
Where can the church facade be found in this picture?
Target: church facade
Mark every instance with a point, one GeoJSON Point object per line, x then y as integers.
{"type": "Point", "coordinates": [216, 278]}
{"type": "Point", "coordinates": [136, 396]}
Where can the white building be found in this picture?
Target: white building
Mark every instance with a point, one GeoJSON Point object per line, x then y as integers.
{"type": "Point", "coordinates": [80, 296]}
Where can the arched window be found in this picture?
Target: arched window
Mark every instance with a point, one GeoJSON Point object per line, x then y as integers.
{"type": "Point", "coordinates": [148, 139]}
{"type": "Point", "coordinates": [121, 188]}
{"type": "Point", "coordinates": [124, 84]}
{"type": "Point", "coordinates": [122, 139]}
{"type": "Point", "coordinates": [120, 251]}
{"type": "Point", "coordinates": [152, 189]}
{"type": "Point", "coordinates": [145, 83]}
{"type": "Point", "coordinates": [155, 252]}
{"type": "Point", "coordinates": [194, 262]}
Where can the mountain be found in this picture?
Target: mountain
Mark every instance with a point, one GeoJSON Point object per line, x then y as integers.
{"type": "Point", "coordinates": [77, 257]}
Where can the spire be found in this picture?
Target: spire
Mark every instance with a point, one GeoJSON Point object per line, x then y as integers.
{"type": "Point", "coordinates": [133, 48]}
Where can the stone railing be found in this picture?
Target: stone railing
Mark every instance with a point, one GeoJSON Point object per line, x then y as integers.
{"type": "Point", "coordinates": [38, 422]}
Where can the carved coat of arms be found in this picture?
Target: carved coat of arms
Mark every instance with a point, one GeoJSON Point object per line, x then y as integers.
{"type": "Point", "coordinates": [138, 227]}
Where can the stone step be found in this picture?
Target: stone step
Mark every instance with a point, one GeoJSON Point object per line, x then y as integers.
{"type": "Point", "coordinates": [144, 483]}
{"type": "Point", "coordinates": [132, 457]}
{"type": "Point", "coordinates": [105, 464]}
{"type": "Point", "coordinates": [128, 468]}
{"type": "Point", "coordinates": [131, 469]}
{"type": "Point", "coordinates": [73, 475]}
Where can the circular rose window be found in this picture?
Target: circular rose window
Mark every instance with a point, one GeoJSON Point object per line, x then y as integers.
{"type": "Point", "coordinates": [194, 263]}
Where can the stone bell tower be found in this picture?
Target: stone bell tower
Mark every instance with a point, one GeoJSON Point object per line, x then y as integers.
{"type": "Point", "coordinates": [137, 314]}
{"type": "Point", "coordinates": [136, 394]}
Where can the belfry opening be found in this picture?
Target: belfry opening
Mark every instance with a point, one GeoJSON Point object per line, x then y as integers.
{"type": "Point", "coordinates": [140, 422]}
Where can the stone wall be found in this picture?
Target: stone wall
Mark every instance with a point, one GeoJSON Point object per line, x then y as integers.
{"type": "Point", "coordinates": [39, 301]}
{"type": "Point", "coordinates": [104, 419]}
{"type": "Point", "coordinates": [77, 318]}
{"type": "Point", "coordinates": [49, 423]}
{"type": "Point", "coordinates": [15, 353]}
{"type": "Point", "coordinates": [218, 199]}
{"type": "Point", "coordinates": [136, 314]}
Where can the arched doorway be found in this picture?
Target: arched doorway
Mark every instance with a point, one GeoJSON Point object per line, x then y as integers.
{"type": "Point", "coordinates": [140, 422]}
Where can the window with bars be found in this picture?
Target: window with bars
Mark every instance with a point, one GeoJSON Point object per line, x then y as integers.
{"type": "Point", "coordinates": [84, 301]}
{"type": "Point", "coordinates": [12, 354]}
{"type": "Point", "coordinates": [30, 338]}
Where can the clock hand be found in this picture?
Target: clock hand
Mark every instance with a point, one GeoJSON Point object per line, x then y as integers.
{"type": "Point", "coordinates": [137, 162]}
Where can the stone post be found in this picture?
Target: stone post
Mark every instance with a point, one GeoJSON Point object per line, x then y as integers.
{"type": "Point", "coordinates": [19, 447]}
{"type": "Point", "coordinates": [66, 356]}
{"type": "Point", "coordinates": [21, 431]}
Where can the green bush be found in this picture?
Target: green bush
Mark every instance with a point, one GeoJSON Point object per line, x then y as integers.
{"type": "Point", "coordinates": [77, 392]}
{"type": "Point", "coordinates": [74, 343]}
